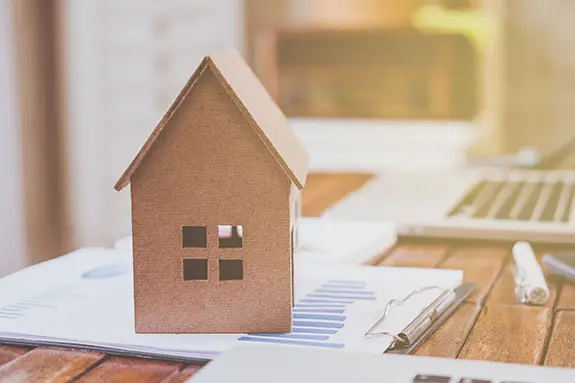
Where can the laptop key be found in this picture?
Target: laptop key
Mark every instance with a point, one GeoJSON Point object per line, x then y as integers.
{"type": "Point", "coordinates": [471, 380]}
{"type": "Point", "coordinates": [431, 379]}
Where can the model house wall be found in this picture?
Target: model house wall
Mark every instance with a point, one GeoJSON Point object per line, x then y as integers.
{"type": "Point", "coordinates": [210, 168]}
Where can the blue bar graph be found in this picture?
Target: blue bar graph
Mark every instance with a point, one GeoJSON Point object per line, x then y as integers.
{"type": "Point", "coordinates": [292, 342]}
{"type": "Point", "coordinates": [341, 297]}
{"type": "Point", "coordinates": [317, 324]}
{"type": "Point", "coordinates": [319, 315]}
{"type": "Point", "coordinates": [338, 318]}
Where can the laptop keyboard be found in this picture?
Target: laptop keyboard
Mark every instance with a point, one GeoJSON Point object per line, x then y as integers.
{"type": "Point", "coordinates": [544, 198]}
{"type": "Point", "coordinates": [450, 379]}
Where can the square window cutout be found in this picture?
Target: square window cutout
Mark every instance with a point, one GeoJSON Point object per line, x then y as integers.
{"type": "Point", "coordinates": [195, 269]}
{"type": "Point", "coordinates": [194, 236]}
{"type": "Point", "coordinates": [230, 236]}
{"type": "Point", "coordinates": [231, 269]}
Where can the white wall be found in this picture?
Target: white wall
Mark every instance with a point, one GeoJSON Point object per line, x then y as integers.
{"type": "Point", "coordinates": [12, 231]}
{"type": "Point", "coordinates": [127, 60]}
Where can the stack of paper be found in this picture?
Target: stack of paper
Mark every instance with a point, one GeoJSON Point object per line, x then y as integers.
{"type": "Point", "coordinates": [354, 242]}
{"type": "Point", "coordinates": [85, 299]}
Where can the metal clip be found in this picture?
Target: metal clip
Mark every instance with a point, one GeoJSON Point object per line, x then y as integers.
{"type": "Point", "coordinates": [417, 326]}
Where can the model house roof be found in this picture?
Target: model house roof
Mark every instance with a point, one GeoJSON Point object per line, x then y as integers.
{"type": "Point", "coordinates": [253, 101]}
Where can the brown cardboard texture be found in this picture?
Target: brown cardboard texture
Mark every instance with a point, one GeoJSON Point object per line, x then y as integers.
{"type": "Point", "coordinates": [215, 199]}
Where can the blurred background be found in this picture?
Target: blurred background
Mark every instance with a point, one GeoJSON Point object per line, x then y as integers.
{"type": "Point", "coordinates": [367, 84]}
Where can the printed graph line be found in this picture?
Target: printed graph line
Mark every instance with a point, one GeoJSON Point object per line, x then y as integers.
{"type": "Point", "coordinates": [351, 292]}
{"type": "Point", "coordinates": [338, 318]}
{"type": "Point", "coordinates": [9, 309]}
{"type": "Point", "coordinates": [316, 310]}
{"type": "Point", "coordinates": [292, 342]}
{"type": "Point", "coordinates": [307, 300]}
{"type": "Point", "coordinates": [344, 286]}
{"type": "Point", "coordinates": [311, 330]}
{"type": "Point", "coordinates": [318, 324]}
{"type": "Point", "coordinates": [23, 305]}
{"type": "Point", "coordinates": [41, 300]}
{"type": "Point", "coordinates": [294, 336]}
{"type": "Point", "coordinates": [19, 306]}
{"type": "Point", "coordinates": [15, 313]}
{"type": "Point", "coordinates": [355, 298]}
{"type": "Point", "coordinates": [347, 282]}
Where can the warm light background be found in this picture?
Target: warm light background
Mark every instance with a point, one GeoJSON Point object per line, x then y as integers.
{"type": "Point", "coordinates": [369, 84]}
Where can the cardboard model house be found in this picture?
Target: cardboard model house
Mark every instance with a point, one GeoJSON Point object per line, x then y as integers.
{"type": "Point", "coordinates": [215, 198]}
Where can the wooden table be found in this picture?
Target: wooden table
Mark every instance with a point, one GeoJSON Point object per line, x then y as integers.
{"type": "Point", "coordinates": [489, 326]}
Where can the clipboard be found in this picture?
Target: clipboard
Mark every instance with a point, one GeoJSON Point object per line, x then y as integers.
{"type": "Point", "coordinates": [427, 321]}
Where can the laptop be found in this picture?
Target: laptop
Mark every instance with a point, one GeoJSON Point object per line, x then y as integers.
{"type": "Point", "coordinates": [267, 363]}
{"type": "Point", "coordinates": [533, 204]}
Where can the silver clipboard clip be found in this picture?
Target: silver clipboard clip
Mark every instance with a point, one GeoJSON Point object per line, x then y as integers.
{"type": "Point", "coordinates": [427, 321]}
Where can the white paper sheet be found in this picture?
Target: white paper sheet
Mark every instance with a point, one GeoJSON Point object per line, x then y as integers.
{"type": "Point", "coordinates": [352, 242]}
{"type": "Point", "coordinates": [85, 299]}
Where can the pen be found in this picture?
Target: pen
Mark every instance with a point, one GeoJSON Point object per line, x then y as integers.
{"type": "Point", "coordinates": [530, 285]}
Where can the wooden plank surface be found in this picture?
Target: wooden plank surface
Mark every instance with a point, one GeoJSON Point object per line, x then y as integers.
{"type": "Point", "coordinates": [183, 374]}
{"type": "Point", "coordinates": [561, 350]}
{"type": "Point", "coordinates": [9, 353]}
{"type": "Point", "coordinates": [324, 190]}
{"type": "Point", "coordinates": [567, 297]}
{"type": "Point", "coordinates": [48, 364]}
{"type": "Point", "coordinates": [507, 330]}
{"type": "Point", "coordinates": [450, 338]}
{"type": "Point", "coordinates": [130, 370]}
{"type": "Point", "coordinates": [415, 255]}
{"type": "Point", "coordinates": [481, 265]}
{"type": "Point", "coordinates": [506, 333]}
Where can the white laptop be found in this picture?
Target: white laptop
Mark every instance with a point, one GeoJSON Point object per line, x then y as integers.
{"type": "Point", "coordinates": [470, 203]}
{"type": "Point", "coordinates": [266, 363]}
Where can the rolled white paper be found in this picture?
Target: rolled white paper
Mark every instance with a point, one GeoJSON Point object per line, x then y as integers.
{"type": "Point", "coordinates": [530, 284]}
